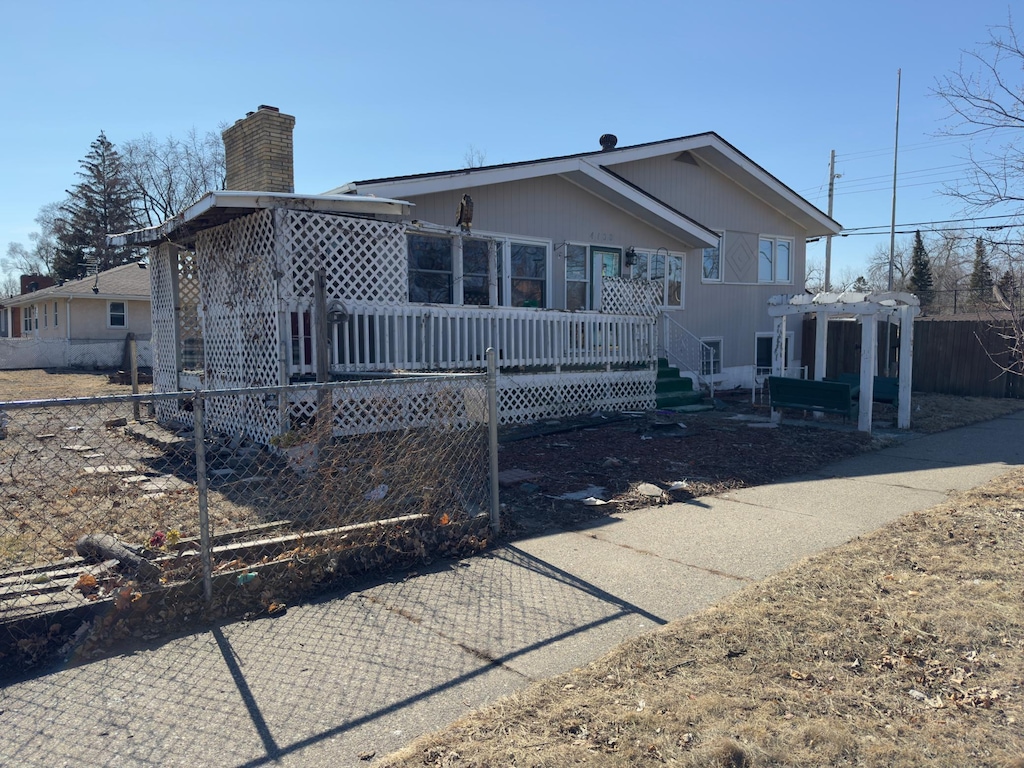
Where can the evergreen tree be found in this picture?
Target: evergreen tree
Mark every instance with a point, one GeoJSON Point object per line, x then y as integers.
{"type": "Point", "coordinates": [981, 274]}
{"type": "Point", "coordinates": [100, 204]}
{"type": "Point", "coordinates": [921, 273]}
{"type": "Point", "coordinates": [860, 285]}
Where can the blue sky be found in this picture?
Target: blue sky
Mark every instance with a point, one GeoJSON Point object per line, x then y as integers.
{"type": "Point", "coordinates": [386, 87]}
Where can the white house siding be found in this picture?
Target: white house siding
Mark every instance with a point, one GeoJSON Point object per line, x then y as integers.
{"type": "Point", "coordinates": [736, 308]}
{"type": "Point", "coordinates": [553, 208]}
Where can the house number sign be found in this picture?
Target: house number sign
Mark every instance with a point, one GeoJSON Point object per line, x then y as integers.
{"type": "Point", "coordinates": [601, 237]}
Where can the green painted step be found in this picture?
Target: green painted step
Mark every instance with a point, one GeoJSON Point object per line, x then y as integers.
{"type": "Point", "coordinates": [673, 391]}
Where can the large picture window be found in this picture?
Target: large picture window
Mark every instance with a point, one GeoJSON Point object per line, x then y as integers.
{"type": "Point", "coordinates": [774, 260]}
{"type": "Point", "coordinates": [521, 270]}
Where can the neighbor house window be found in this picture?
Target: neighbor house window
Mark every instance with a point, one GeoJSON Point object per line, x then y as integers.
{"type": "Point", "coordinates": [117, 314]}
{"type": "Point", "coordinates": [430, 269]}
{"type": "Point", "coordinates": [710, 357]}
{"type": "Point", "coordinates": [711, 261]}
{"type": "Point", "coordinates": [577, 277]}
{"type": "Point", "coordinates": [55, 314]}
{"type": "Point", "coordinates": [26, 319]}
{"type": "Point", "coordinates": [774, 260]}
{"type": "Point", "coordinates": [46, 317]}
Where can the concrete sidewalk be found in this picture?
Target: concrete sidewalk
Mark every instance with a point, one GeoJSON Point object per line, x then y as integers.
{"type": "Point", "coordinates": [332, 682]}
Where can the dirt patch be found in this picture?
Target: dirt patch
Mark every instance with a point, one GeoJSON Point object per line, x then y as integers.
{"type": "Point", "coordinates": [40, 384]}
{"type": "Point", "coordinates": [905, 647]}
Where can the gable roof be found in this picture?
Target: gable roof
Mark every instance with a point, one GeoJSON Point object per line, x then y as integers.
{"type": "Point", "coordinates": [129, 282]}
{"type": "Point", "coordinates": [594, 171]}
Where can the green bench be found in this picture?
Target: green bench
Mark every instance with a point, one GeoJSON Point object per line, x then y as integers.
{"type": "Point", "coordinates": [807, 395]}
{"type": "Point", "coordinates": [886, 389]}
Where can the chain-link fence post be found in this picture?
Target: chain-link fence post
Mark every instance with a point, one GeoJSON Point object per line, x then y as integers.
{"type": "Point", "coordinates": [202, 485]}
{"type": "Point", "coordinates": [492, 435]}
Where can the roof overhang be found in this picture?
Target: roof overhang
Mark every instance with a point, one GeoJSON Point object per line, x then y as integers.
{"type": "Point", "coordinates": [708, 148]}
{"type": "Point", "coordinates": [217, 208]}
{"type": "Point", "coordinates": [579, 171]}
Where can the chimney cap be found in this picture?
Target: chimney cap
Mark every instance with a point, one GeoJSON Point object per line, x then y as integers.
{"type": "Point", "coordinates": [608, 141]}
{"type": "Point", "coordinates": [267, 107]}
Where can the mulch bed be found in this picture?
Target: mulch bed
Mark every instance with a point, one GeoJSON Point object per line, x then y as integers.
{"type": "Point", "coordinates": [685, 455]}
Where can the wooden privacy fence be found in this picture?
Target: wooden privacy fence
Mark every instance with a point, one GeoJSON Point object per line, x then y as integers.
{"type": "Point", "coordinates": [961, 356]}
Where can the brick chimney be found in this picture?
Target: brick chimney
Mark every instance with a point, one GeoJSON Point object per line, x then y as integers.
{"type": "Point", "coordinates": [258, 152]}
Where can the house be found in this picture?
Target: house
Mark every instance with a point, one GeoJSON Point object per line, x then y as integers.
{"type": "Point", "coordinates": [579, 271]}
{"type": "Point", "coordinates": [79, 323]}
{"type": "Point", "coordinates": [718, 233]}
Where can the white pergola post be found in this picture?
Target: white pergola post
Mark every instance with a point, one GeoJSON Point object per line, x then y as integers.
{"type": "Point", "coordinates": [779, 357]}
{"type": "Point", "coordinates": [868, 353]}
{"type": "Point", "coordinates": [906, 316]}
{"type": "Point", "coordinates": [820, 343]}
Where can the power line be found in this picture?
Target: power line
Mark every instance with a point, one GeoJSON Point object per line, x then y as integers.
{"type": "Point", "coordinates": [936, 221]}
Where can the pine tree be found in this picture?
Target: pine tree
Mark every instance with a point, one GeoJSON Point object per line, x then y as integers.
{"type": "Point", "coordinates": [920, 273]}
{"type": "Point", "coordinates": [100, 204]}
{"type": "Point", "coordinates": [981, 274]}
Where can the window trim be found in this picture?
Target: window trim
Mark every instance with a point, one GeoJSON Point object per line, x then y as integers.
{"type": "Point", "coordinates": [710, 341]}
{"type": "Point", "coordinates": [775, 240]}
{"type": "Point", "coordinates": [110, 313]}
{"type": "Point", "coordinates": [721, 249]}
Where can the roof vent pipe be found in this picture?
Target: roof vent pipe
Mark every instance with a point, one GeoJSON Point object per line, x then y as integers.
{"type": "Point", "coordinates": [608, 141]}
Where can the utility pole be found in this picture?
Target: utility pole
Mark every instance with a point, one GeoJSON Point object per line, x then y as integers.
{"type": "Point", "coordinates": [828, 238]}
{"type": "Point", "coordinates": [895, 157]}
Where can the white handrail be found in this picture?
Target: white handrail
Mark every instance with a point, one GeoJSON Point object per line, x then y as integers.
{"type": "Point", "coordinates": [372, 337]}
{"type": "Point", "coordinates": [687, 352]}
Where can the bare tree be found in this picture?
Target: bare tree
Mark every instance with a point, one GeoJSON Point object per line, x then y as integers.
{"type": "Point", "coordinates": [167, 176]}
{"type": "Point", "coordinates": [878, 266]}
{"type": "Point", "coordinates": [474, 158]}
{"type": "Point", "coordinates": [987, 108]}
{"type": "Point", "coordinates": [36, 258]}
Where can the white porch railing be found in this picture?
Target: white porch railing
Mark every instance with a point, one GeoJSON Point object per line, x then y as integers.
{"type": "Point", "coordinates": [688, 353]}
{"type": "Point", "coordinates": [372, 337]}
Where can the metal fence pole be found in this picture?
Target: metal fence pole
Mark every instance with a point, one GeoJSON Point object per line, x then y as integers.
{"type": "Point", "coordinates": [202, 484]}
{"type": "Point", "coordinates": [492, 435]}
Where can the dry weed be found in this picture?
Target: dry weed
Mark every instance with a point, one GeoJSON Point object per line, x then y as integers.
{"type": "Point", "coordinates": [904, 647]}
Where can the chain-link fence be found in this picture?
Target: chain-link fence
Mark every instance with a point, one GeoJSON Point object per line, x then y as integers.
{"type": "Point", "coordinates": [137, 514]}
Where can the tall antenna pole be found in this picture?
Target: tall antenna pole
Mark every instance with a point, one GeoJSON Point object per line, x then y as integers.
{"type": "Point", "coordinates": [895, 155]}
{"type": "Point", "coordinates": [828, 238]}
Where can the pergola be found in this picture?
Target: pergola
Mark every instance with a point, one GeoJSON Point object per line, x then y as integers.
{"type": "Point", "coordinates": [867, 308]}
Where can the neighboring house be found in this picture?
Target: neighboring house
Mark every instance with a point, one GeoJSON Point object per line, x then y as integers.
{"type": "Point", "coordinates": [579, 271]}
{"type": "Point", "coordinates": [80, 323]}
{"type": "Point", "coordinates": [718, 233]}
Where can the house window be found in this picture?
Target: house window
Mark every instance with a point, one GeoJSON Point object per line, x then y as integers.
{"type": "Point", "coordinates": [711, 260]}
{"type": "Point", "coordinates": [430, 269]}
{"type": "Point", "coordinates": [475, 287]}
{"type": "Point", "coordinates": [26, 319]}
{"type": "Point", "coordinates": [664, 268]}
{"type": "Point", "coordinates": [55, 314]}
{"type": "Point", "coordinates": [577, 277]}
{"type": "Point", "coordinates": [774, 260]}
{"type": "Point", "coordinates": [117, 314]}
{"type": "Point", "coordinates": [46, 317]}
{"type": "Point", "coordinates": [528, 273]}
{"type": "Point", "coordinates": [710, 357]}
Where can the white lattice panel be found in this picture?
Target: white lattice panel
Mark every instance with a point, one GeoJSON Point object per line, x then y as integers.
{"type": "Point", "coordinates": [624, 296]}
{"type": "Point", "coordinates": [529, 398]}
{"type": "Point", "coordinates": [364, 259]}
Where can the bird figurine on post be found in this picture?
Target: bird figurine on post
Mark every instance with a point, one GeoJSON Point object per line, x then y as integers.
{"type": "Point", "coordinates": [464, 217]}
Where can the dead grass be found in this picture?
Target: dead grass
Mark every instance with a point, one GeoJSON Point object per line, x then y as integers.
{"type": "Point", "coordinates": [39, 384]}
{"type": "Point", "coordinates": [936, 413]}
{"type": "Point", "coordinates": [905, 647]}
